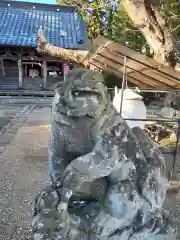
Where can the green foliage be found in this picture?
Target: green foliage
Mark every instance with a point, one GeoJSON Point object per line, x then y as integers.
{"type": "Point", "coordinates": [91, 14]}
{"type": "Point", "coordinates": [170, 10]}
{"type": "Point", "coordinates": [119, 27]}
{"type": "Point", "coordinates": [125, 32]}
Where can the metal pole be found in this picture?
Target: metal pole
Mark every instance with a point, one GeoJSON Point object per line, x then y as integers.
{"type": "Point", "coordinates": [123, 84]}
{"type": "Point", "coordinates": [175, 152]}
{"type": "Point", "coordinates": [151, 90]}
{"type": "Point", "coordinates": [153, 120]}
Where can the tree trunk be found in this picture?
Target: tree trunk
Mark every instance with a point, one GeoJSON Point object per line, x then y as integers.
{"type": "Point", "coordinates": [149, 21]}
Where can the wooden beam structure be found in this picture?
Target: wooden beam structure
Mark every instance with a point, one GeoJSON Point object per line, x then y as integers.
{"type": "Point", "coordinates": [142, 71]}
{"type": "Point", "coordinates": [2, 67]}
{"type": "Point", "coordinates": [20, 69]}
{"type": "Point", "coordinates": [44, 66]}
{"type": "Point", "coordinates": [26, 70]}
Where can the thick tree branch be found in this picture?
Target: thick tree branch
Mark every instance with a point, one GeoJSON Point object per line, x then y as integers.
{"type": "Point", "coordinates": [78, 56]}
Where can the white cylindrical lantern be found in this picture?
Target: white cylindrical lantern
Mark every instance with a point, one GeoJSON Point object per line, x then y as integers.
{"type": "Point", "coordinates": [132, 107]}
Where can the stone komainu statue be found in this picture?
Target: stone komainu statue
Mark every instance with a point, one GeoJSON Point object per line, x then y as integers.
{"type": "Point", "coordinates": [105, 180]}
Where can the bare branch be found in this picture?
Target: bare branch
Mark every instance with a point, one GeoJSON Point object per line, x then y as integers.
{"type": "Point", "coordinates": [175, 28]}
{"type": "Point", "coordinates": [86, 7]}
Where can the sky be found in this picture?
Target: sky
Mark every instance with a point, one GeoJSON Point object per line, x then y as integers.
{"type": "Point", "coordinates": [39, 1]}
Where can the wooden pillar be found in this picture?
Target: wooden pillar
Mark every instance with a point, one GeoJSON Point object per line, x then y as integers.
{"type": "Point", "coordinates": [26, 71]}
{"type": "Point", "coordinates": [2, 67]}
{"type": "Point", "coordinates": [20, 73]}
{"type": "Point", "coordinates": [44, 66]}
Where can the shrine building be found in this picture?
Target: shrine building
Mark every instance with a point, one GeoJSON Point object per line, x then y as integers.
{"type": "Point", "coordinates": [21, 66]}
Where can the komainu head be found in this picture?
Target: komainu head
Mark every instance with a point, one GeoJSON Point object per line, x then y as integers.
{"type": "Point", "coordinates": [83, 93]}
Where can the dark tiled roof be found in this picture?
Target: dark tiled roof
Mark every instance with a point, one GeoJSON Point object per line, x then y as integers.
{"type": "Point", "coordinates": [19, 23]}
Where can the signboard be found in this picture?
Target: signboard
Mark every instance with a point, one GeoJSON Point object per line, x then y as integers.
{"type": "Point", "coordinates": [65, 70]}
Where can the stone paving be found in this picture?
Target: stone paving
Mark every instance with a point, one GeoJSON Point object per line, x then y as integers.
{"type": "Point", "coordinates": [12, 123]}
{"type": "Point", "coordinates": [7, 113]}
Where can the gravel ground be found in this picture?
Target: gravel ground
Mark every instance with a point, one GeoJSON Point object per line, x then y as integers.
{"type": "Point", "coordinates": [172, 205]}
{"type": "Point", "coordinates": [7, 113]}
{"type": "Point", "coordinates": [24, 169]}
{"type": "Point", "coordinates": [22, 174]}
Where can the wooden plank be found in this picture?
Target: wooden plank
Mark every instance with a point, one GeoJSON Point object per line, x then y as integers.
{"type": "Point", "coordinates": [47, 92]}
{"type": "Point", "coordinates": [150, 81]}
{"type": "Point", "coordinates": [149, 73]}
{"type": "Point", "coordinates": [119, 74]}
{"type": "Point", "coordinates": [95, 49]}
{"type": "Point", "coordinates": [131, 64]}
{"type": "Point", "coordinates": [114, 65]}
{"type": "Point", "coordinates": [119, 58]}
{"type": "Point", "coordinates": [160, 77]}
{"type": "Point", "coordinates": [176, 86]}
{"type": "Point", "coordinates": [119, 68]}
{"type": "Point", "coordinates": [145, 60]}
{"type": "Point", "coordinates": [31, 58]}
{"type": "Point", "coordinates": [138, 83]}
{"type": "Point", "coordinates": [116, 47]}
{"type": "Point", "coordinates": [167, 77]}
{"type": "Point", "coordinates": [32, 62]}
{"type": "Point", "coordinates": [113, 61]}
